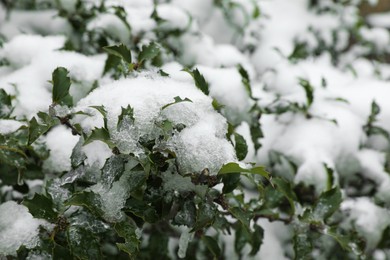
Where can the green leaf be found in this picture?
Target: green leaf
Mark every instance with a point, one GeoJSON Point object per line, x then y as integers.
{"type": "Point", "coordinates": [127, 230]}
{"type": "Point", "coordinates": [100, 134]}
{"type": "Point", "coordinates": [385, 240]}
{"type": "Point", "coordinates": [5, 104]}
{"type": "Point", "coordinates": [327, 204]}
{"type": "Point", "coordinates": [177, 100]}
{"type": "Point", "coordinates": [217, 106]}
{"type": "Point", "coordinates": [120, 51]}
{"type": "Point", "coordinates": [302, 246]}
{"type": "Point", "coordinates": [230, 182]}
{"type": "Point", "coordinates": [245, 80]}
{"type": "Point", "coordinates": [308, 90]}
{"type": "Point", "coordinates": [212, 245]}
{"type": "Point", "coordinates": [112, 62]}
{"type": "Point", "coordinates": [41, 206]}
{"type": "Point", "coordinates": [113, 169]}
{"type": "Point", "coordinates": [376, 130]}
{"type": "Point", "coordinates": [256, 133]}
{"type": "Point", "coordinates": [200, 81]}
{"type": "Point", "coordinates": [83, 244]}
{"type": "Point", "coordinates": [240, 146]}
{"type": "Point", "coordinates": [348, 243]}
{"type": "Point", "coordinates": [186, 215]}
{"type": "Point", "coordinates": [87, 199]}
{"type": "Point", "coordinates": [78, 156]}
{"type": "Point", "coordinates": [205, 216]}
{"type": "Point", "coordinates": [163, 73]}
{"type": "Point", "coordinates": [257, 239]}
{"type": "Point", "coordinates": [242, 238]}
{"type": "Point", "coordinates": [12, 155]}
{"type": "Point", "coordinates": [330, 181]}
{"type": "Point", "coordinates": [141, 209]}
{"type": "Point", "coordinates": [148, 52]}
{"type": "Point", "coordinates": [375, 110]}
{"type": "Point", "coordinates": [256, 12]}
{"type": "Point", "coordinates": [36, 129]}
{"type": "Point", "coordinates": [61, 253]}
{"type": "Point", "coordinates": [158, 245]}
{"type": "Point", "coordinates": [101, 109]}
{"type": "Point", "coordinates": [285, 188]}
{"type": "Point", "coordinates": [235, 167]}
{"type": "Point", "coordinates": [61, 85]}
{"type": "Point", "coordinates": [128, 113]}
{"type": "Point", "coordinates": [242, 216]}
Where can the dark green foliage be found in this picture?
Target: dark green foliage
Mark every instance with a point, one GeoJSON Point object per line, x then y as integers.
{"type": "Point", "coordinates": [119, 51]}
{"type": "Point", "coordinates": [200, 81]}
{"type": "Point", "coordinates": [61, 85]}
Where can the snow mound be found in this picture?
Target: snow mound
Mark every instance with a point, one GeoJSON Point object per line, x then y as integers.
{"type": "Point", "coordinates": [200, 145]}
{"type": "Point", "coordinates": [17, 228]}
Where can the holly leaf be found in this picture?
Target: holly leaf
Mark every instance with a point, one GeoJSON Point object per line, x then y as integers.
{"type": "Point", "coordinates": [240, 146]}
{"type": "Point", "coordinates": [100, 134]}
{"type": "Point", "coordinates": [87, 199]}
{"type": "Point", "coordinates": [235, 167]}
{"type": "Point", "coordinates": [302, 245]}
{"type": "Point", "coordinates": [257, 239]}
{"type": "Point", "coordinates": [285, 188]}
{"type": "Point", "coordinates": [245, 80]}
{"type": "Point", "coordinates": [177, 100]}
{"type": "Point", "coordinates": [148, 52]}
{"type": "Point", "coordinates": [230, 182]}
{"type": "Point", "coordinates": [61, 84]}
{"type": "Point", "coordinates": [5, 104]}
{"type": "Point", "coordinates": [127, 230]}
{"type": "Point", "coordinates": [41, 206]}
{"type": "Point", "coordinates": [200, 81]}
{"type": "Point", "coordinates": [127, 112]}
{"type": "Point", "coordinates": [212, 245]}
{"type": "Point", "coordinates": [119, 51]}
{"type": "Point", "coordinates": [241, 215]}
{"type": "Point", "coordinates": [83, 243]}
{"type": "Point", "coordinates": [308, 90]}
{"type": "Point", "coordinates": [205, 216]}
{"type": "Point", "coordinates": [112, 62]}
{"type": "Point", "coordinates": [327, 204]}
{"type": "Point", "coordinates": [35, 129]}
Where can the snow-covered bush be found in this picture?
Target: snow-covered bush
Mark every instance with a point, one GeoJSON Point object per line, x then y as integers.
{"type": "Point", "coordinates": [136, 129]}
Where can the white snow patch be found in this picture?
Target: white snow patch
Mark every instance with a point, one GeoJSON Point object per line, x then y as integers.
{"type": "Point", "coordinates": [60, 142]}
{"type": "Point", "coordinates": [17, 228]}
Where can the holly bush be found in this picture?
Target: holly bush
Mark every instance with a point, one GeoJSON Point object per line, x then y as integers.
{"type": "Point", "coordinates": [126, 143]}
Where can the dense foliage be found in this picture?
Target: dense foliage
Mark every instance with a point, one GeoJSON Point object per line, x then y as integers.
{"type": "Point", "coordinates": [126, 160]}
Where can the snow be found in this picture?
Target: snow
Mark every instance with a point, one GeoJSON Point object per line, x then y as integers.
{"type": "Point", "coordinates": [111, 25]}
{"type": "Point", "coordinates": [200, 145]}
{"type": "Point", "coordinates": [43, 22]}
{"type": "Point", "coordinates": [34, 67]}
{"type": "Point", "coordinates": [17, 228]}
{"type": "Point", "coordinates": [114, 198]}
{"type": "Point", "coordinates": [20, 54]}
{"type": "Point", "coordinates": [174, 18]}
{"type": "Point", "coordinates": [274, 235]}
{"type": "Point", "coordinates": [8, 126]}
{"type": "Point", "coordinates": [329, 133]}
{"type": "Point", "coordinates": [60, 149]}
{"type": "Point", "coordinates": [364, 214]}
